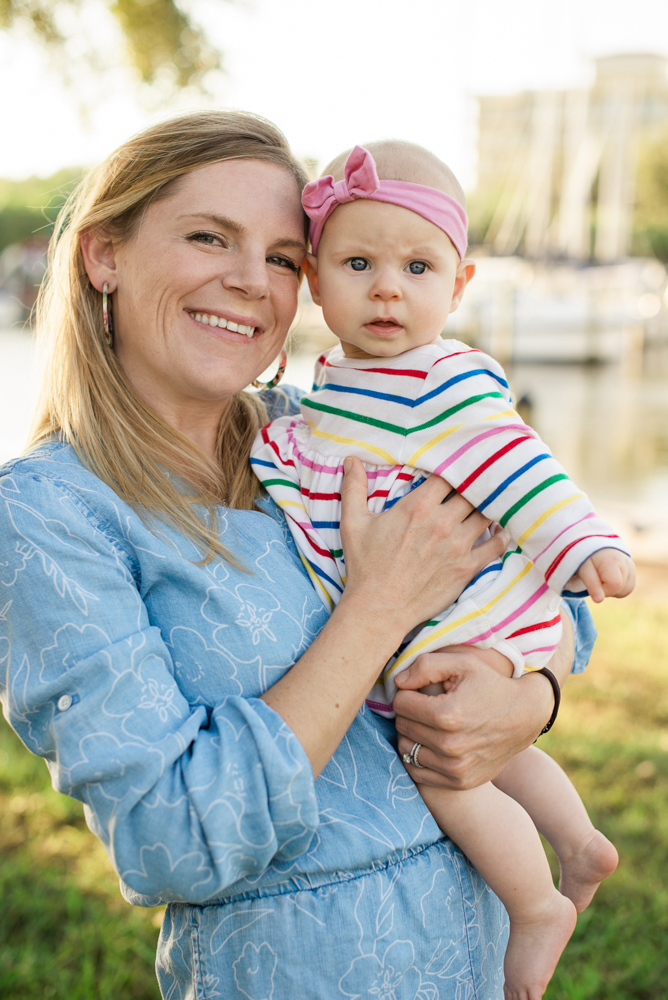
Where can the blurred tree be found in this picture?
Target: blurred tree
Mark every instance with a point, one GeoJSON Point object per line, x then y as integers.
{"type": "Point", "coordinates": [651, 214]}
{"type": "Point", "coordinates": [160, 37]}
{"type": "Point", "coordinates": [28, 209]}
{"type": "Point", "coordinates": [481, 206]}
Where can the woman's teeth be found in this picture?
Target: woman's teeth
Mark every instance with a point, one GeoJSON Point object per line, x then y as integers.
{"type": "Point", "coordinates": [224, 324]}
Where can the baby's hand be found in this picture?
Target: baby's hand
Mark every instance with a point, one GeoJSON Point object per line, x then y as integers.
{"type": "Point", "coordinates": [608, 573]}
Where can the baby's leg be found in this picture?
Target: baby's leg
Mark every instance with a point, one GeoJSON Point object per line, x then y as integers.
{"type": "Point", "coordinates": [585, 856]}
{"type": "Point", "coordinates": [499, 838]}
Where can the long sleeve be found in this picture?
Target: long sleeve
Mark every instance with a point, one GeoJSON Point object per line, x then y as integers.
{"type": "Point", "coordinates": [187, 798]}
{"type": "Point", "coordinates": [464, 428]}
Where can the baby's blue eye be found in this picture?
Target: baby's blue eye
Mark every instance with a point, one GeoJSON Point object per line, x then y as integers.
{"type": "Point", "coordinates": [417, 267]}
{"type": "Point", "coordinates": [358, 263]}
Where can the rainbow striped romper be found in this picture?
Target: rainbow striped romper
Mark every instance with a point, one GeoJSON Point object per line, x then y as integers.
{"type": "Point", "coordinates": [442, 409]}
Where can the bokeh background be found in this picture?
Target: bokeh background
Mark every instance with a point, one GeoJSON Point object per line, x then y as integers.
{"type": "Point", "coordinates": [555, 118]}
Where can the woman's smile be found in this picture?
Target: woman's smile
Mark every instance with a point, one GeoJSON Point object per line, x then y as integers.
{"type": "Point", "coordinates": [245, 327]}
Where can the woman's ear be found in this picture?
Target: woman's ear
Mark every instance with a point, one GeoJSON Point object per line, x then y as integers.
{"type": "Point", "coordinates": [465, 272]}
{"type": "Point", "coordinates": [99, 259]}
{"type": "Point", "coordinates": [310, 269]}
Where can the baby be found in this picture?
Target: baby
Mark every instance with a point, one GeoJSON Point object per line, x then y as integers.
{"type": "Point", "coordinates": [388, 266]}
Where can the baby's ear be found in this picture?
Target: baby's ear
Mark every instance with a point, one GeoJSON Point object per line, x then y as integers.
{"type": "Point", "coordinates": [465, 272]}
{"type": "Point", "coordinates": [310, 269]}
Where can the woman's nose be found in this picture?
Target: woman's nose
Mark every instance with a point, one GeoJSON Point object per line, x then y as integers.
{"type": "Point", "coordinates": [247, 274]}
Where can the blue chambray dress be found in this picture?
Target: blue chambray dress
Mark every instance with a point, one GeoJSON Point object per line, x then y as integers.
{"type": "Point", "coordinates": [135, 673]}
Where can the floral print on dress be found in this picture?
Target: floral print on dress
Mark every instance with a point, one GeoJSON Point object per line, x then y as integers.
{"type": "Point", "coordinates": [256, 618]}
{"type": "Point", "coordinates": [254, 971]}
{"type": "Point", "coordinates": [392, 977]}
{"type": "Point", "coordinates": [160, 698]}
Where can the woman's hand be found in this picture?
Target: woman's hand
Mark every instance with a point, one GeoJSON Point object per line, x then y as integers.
{"type": "Point", "coordinates": [469, 733]}
{"type": "Point", "coordinates": [403, 566]}
{"type": "Point", "coordinates": [412, 561]}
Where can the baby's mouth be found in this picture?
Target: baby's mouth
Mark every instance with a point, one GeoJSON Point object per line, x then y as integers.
{"type": "Point", "coordinates": [384, 326]}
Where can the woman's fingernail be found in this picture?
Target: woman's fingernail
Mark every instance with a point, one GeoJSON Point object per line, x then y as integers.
{"type": "Point", "coordinates": [347, 462]}
{"type": "Point", "coordinates": [403, 676]}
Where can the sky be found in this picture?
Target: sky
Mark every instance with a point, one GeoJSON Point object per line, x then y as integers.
{"type": "Point", "coordinates": [330, 73]}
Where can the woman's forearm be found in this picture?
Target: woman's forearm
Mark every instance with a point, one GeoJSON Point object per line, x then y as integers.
{"type": "Point", "coordinates": [321, 695]}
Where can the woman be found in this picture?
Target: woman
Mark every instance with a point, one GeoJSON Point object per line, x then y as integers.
{"type": "Point", "coordinates": [164, 649]}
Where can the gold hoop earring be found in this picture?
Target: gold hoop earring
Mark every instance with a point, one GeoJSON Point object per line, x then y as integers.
{"type": "Point", "coordinates": [282, 362]}
{"type": "Point", "coordinates": [106, 316]}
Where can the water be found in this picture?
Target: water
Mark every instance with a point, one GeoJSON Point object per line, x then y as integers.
{"type": "Point", "coordinates": [19, 387]}
{"type": "Point", "coordinates": [608, 425]}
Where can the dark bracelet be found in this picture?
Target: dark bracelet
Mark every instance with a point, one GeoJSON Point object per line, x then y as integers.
{"type": "Point", "coordinates": [557, 700]}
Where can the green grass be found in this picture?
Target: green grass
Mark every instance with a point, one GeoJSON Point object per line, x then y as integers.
{"type": "Point", "coordinates": [612, 739]}
{"type": "Point", "coordinates": [65, 932]}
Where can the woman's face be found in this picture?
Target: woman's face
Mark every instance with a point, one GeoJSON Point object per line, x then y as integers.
{"type": "Point", "coordinates": [225, 243]}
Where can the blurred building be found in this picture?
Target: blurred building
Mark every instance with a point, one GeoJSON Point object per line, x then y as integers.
{"type": "Point", "coordinates": [561, 166]}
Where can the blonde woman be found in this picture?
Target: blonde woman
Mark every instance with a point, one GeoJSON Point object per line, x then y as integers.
{"type": "Point", "coordinates": [163, 648]}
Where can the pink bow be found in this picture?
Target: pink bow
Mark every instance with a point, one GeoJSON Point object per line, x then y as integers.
{"type": "Point", "coordinates": [321, 197]}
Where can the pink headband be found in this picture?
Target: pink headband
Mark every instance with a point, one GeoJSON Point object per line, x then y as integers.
{"type": "Point", "coordinates": [321, 197]}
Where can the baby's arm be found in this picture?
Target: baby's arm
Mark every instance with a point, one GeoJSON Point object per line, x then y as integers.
{"type": "Point", "coordinates": [607, 573]}
{"type": "Point", "coordinates": [479, 444]}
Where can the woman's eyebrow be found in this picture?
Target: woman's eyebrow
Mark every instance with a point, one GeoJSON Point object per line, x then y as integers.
{"type": "Point", "coordinates": [219, 220]}
{"type": "Point", "coordinates": [291, 244]}
{"type": "Point", "coordinates": [235, 227]}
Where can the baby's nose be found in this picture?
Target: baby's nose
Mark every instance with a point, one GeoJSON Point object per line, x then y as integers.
{"type": "Point", "coordinates": [387, 285]}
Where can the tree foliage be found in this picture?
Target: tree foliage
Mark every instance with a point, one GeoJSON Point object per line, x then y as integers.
{"type": "Point", "coordinates": [28, 208]}
{"type": "Point", "coordinates": [160, 37]}
{"type": "Point", "coordinates": [651, 213]}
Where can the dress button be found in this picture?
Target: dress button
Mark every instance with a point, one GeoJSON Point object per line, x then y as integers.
{"type": "Point", "coordinates": [64, 702]}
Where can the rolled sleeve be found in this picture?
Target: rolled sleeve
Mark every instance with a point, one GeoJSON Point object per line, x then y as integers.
{"type": "Point", "coordinates": [186, 798]}
{"type": "Point", "coordinates": [238, 797]}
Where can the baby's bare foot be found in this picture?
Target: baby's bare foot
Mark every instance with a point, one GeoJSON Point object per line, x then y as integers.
{"type": "Point", "coordinates": [535, 947]}
{"type": "Point", "coordinates": [584, 870]}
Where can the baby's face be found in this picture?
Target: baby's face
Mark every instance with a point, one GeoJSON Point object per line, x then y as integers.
{"type": "Point", "coordinates": [386, 278]}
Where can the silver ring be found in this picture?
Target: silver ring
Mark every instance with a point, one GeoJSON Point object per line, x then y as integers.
{"type": "Point", "coordinates": [412, 757]}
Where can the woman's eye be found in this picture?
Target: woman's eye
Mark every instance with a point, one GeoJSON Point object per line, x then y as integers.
{"type": "Point", "coordinates": [208, 239]}
{"type": "Point", "coordinates": [358, 263]}
{"type": "Point", "coordinates": [283, 262]}
{"type": "Point", "coordinates": [417, 267]}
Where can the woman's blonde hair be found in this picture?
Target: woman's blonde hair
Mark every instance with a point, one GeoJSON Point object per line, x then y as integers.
{"type": "Point", "coordinates": [86, 397]}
